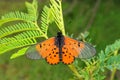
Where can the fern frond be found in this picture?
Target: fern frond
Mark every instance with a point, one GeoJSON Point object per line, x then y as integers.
{"type": "Point", "coordinates": [46, 18]}
{"type": "Point", "coordinates": [113, 63]}
{"type": "Point", "coordinates": [13, 16]}
{"type": "Point", "coordinates": [19, 53]}
{"type": "Point", "coordinates": [19, 27]}
{"type": "Point", "coordinates": [113, 47]}
{"type": "Point", "coordinates": [32, 8]}
{"type": "Point", "coordinates": [56, 8]}
{"type": "Point", "coordinates": [110, 58]}
{"type": "Point", "coordinates": [20, 40]}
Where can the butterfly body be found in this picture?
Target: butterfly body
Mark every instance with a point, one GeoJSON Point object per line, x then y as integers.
{"type": "Point", "coordinates": [61, 49]}
{"type": "Point", "coordinates": [59, 42]}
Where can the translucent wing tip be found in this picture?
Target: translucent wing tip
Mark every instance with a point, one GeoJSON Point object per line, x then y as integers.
{"type": "Point", "coordinates": [88, 51]}
{"type": "Point", "coordinates": [32, 53]}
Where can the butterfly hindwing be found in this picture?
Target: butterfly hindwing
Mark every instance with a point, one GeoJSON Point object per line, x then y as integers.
{"type": "Point", "coordinates": [67, 57]}
{"type": "Point", "coordinates": [53, 57]}
{"type": "Point", "coordinates": [79, 48]}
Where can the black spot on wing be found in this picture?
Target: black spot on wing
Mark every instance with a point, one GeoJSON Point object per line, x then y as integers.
{"type": "Point", "coordinates": [54, 55]}
{"type": "Point", "coordinates": [52, 50]}
{"type": "Point", "coordinates": [56, 52]}
{"type": "Point", "coordinates": [64, 47]}
{"type": "Point", "coordinates": [66, 51]}
{"type": "Point", "coordinates": [74, 42]}
{"type": "Point", "coordinates": [40, 46]}
{"type": "Point", "coordinates": [48, 44]}
{"type": "Point", "coordinates": [79, 44]}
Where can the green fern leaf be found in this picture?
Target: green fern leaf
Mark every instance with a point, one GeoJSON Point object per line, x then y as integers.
{"type": "Point", "coordinates": [56, 8]}
{"type": "Point", "coordinates": [19, 27]}
{"type": "Point", "coordinates": [32, 9]}
{"type": "Point", "coordinates": [20, 40]}
{"type": "Point", "coordinates": [13, 16]}
{"type": "Point", "coordinates": [5, 20]}
{"type": "Point", "coordinates": [113, 47]}
{"type": "Point", "coordinates": [113, 62]}
{"type": "Point", "coordinates": [19, 53]}
{"type": "Point", "coordinates": [110, 58]}
{"type": "Point", "coordinates": [46, 18]}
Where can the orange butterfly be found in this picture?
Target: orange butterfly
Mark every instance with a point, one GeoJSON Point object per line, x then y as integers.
{"type": "Point", "coordinates": [61, 49]}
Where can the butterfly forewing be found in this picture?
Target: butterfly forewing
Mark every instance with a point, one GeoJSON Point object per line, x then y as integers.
{"type": "Point", "coordinates": [40, 50]}
{"type": "Point", "coordinates": [46, 49]}
{"type": "Point", "coordinates": [32, 53]}
{"type": "Point", "coordinates": [88, 51]}
{"type": "Point", "coordinates": [79, 49]}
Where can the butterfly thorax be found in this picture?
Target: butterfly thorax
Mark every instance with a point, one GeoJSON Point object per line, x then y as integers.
{"type": "Point", "coordinates": [59, 42]}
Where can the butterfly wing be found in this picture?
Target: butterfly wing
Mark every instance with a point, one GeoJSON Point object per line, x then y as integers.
{"type": "Point", "coordinates": [74, 48]}
{"type": "Point", "coordinates": [32, 53]}
{"type": "Point", "coordinates": [67, 55]}
{"type": "Point", "coordinates": [53, 55]}
{"type": "Point", "coordinates": [46, 49]}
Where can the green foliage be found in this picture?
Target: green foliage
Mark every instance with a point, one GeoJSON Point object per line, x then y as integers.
{"type": "Point", "coordinates": [46, 18]}
{"type": "Point", "coordinates": [18, 27]}
{"type": "Point", "coordinates": [32, 9]}
{"type": "Point", "coordinates": [56, 10]}
{"type": "Point", "coordinates": [107, 59]}
{"type": "Point", "coordinates": [19, 53]}
{"type": "Point", "coordinates": [25, 29]}
{"type": "Point", "coordinates": [22, 33]}
{"type": "Point", "coordinates": [14, 16]}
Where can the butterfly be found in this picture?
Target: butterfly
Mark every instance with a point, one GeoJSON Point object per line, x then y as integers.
{"type": "Point", "coordinates": [60, 49]}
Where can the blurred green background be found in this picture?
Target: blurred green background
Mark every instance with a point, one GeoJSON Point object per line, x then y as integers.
{"type": "Point", "coordinates": [100, 17]}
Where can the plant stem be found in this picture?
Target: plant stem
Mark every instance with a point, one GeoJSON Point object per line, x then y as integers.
{"type": "Point", "coordinates": [72, 67]}
{"type": "Point", "coordinates": [114, 70]}
{"type": "Point", "coordinates": [35, 23]}
{"type": "Point", "coordinates": [62, 25]}
{"type": "Point", "coordinates": [113, 74]}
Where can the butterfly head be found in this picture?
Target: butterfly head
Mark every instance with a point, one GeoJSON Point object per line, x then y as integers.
{"type": "Point", "coordinates": [59, 34]}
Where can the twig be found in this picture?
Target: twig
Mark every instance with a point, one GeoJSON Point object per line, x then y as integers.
{"type": "Point", "coordinates": [114, 70]}
{"type": "Point", "coordinates": [72, 67]}
{"type": "Point", "coordinates": [113, 74]}
{"type": "Point", "coordinates": [94, 11]}
{"type": "Point", "coordinates": [70, 9]}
